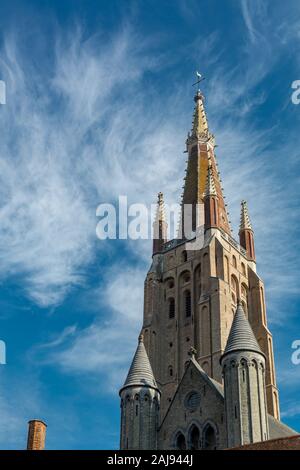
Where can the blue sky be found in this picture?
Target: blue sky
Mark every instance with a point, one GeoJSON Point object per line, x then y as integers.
{"type": "Point", "coordinates": [99, 102]}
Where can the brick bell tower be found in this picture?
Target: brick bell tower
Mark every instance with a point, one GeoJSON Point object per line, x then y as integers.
{"type": "Point", "coordinates": [193, 286]}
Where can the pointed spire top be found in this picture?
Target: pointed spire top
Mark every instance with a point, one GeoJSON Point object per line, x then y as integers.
{"type": "Point", "coordinates": [200, 126]}
{"type": "Point", "coordinates": [140, 372]}
{"type": "Point", "coordinates": [245, 222]}
{"type": "Point", "coordinates": [210, 189]}
{"type": "Point", "coordinates": [241, 336]}
{"type": "Point", "coordinates": [160, 211]}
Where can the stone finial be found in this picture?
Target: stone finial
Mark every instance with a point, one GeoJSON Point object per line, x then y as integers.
{"type": "Point", "coordinates": [192, 352]}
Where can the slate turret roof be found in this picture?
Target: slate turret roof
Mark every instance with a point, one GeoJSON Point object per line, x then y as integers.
{"type": "Point", "coordinates": [241, 336]}
{"type": "Point", "coordinates": [140, 372]}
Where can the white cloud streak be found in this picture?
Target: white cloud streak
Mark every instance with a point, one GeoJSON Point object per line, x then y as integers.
{"type": "Point", "coordinates": [70, 140]}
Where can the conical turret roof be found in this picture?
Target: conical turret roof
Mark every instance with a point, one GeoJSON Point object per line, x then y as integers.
{"type": "Point", "coordinates": [140, 372]}
{"type": "Point", "coordinates": [241, 336]}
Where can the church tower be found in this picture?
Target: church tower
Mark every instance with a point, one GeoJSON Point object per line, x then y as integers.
{"type": "Point", "coordinates": [195, 283]}
{"type": "Point", "coordinates": [193, 286]}
{"type": "Point", "coordinates": [243, 367]}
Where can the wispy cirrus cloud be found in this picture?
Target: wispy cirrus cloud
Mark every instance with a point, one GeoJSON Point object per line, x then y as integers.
{"type": "Point", "coordinates": [72, 139]}
{"type": "Point", "coordinates": [251, 160]}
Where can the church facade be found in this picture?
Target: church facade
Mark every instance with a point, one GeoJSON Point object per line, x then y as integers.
{"type": "Point", "coordinates": [203, 375]}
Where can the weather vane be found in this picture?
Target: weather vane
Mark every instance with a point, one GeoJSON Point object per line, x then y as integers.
{"type": "Point", "coordinates": [199, 79]}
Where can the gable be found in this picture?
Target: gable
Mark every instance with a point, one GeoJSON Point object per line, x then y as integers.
{"type": "Point", "coordinates": [198, 401]}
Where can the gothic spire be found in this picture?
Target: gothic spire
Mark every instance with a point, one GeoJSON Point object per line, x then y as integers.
{"type": "Point", "coordinates": [140, 372]}
{"type": "Point", "coordinates": [200, 148]}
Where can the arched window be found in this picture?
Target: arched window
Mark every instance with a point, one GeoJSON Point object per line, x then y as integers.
{"type": "Point", "coordinates": [205, 332]}
{"type": "Point", "coordinates": [209, 439]}
{"type": "Point", "coordinates": [194, 438]}
{"type": "Point", "coordinates": [197, 278]}
{"type": "Point", "coordinates": [226, 269]}
{"type": "Point", "coordinates": [184, 256]}
{"type": "Point", "coordinates": [170, 369]}
{"type": "Point", "coordinates": [180, 442]}
{"type": "Point", "coordinates": [198, 272]}
{"type": "Point", "coordinates": [187, 303]}
{"type": "Point", "coordinates": [243, 269]}
{"type": "Point", "coordinates": [244, 291]}
{"type": "Point", "coordinates": [234, 264]}
{"type": "Point", "coordinates": [171, 307]}
{"type": "Point", "coordinates": [235, 288]}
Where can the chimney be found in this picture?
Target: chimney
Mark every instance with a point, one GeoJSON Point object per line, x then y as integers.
{"type": "Point", "coordinates": [36, 435]}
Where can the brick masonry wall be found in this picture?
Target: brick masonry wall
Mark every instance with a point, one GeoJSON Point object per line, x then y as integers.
{"type": "Point", "coordinates": [285, 443]}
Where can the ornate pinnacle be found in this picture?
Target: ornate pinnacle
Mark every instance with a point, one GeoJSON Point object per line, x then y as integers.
{"type": "Point", "coordinates": [210, 189]}
{"type": "Point", "coordinates": [160, 212]}
{"type": "Point", "coordinates": [245, 222]}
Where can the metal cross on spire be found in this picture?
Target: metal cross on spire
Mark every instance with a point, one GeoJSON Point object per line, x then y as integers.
{"type": "Point", "coordinates": [200, 78]}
